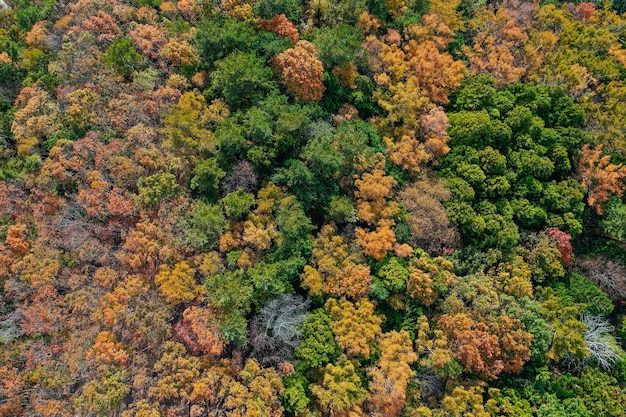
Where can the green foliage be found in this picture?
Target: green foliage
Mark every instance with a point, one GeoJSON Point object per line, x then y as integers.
{"type": "Point", "coordinates": [341, 209]}
{"type": "Point", "coordinates": [613, 222]}
{"type": "Point", "coordinates": [203, 228]}
{"type": "Point", "coordinates": [394, 274]}
{"type": "Point", "coordinates": [273, 279]}
{"type": "Point", "coordinates": [207, 175]}
{"type": "Point", "coordinates": [232, 293]}
{"type": "Point", "coordinates": [318, 346]}
{"type": "Point", "coordinates": [241, 79]}
{"type": "Point", "coordinates": [598, 392]}
{"type": "Point", "coordinates": [583, 291]}
{"type": "Point", "coordinates": [156, 188]}
{"type": "Point", "coordinates": [216, 39]}
{"type": "Point", "coordinates": [237, 204]}
{"type": "Point", "coordinates": [296, 397]}
{"type": "Point", "coordinates": [269, 8]}
{"type": "Point", "coordinates": [506, 167]}
{"type": "Point", "coordinates": [122, 57]}
{"type": "Point", "coordinates": [336, 45]}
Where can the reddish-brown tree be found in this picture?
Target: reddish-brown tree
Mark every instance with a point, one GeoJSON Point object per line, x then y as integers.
{"type": "Point", "coordinates": [301, 71]}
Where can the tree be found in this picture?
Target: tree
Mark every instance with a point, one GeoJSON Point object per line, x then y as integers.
{"type": "Point", "coordinates": [122, 57]}
{"type": "Point", "coordinates": [198, 331]}
{"type": "Point", "coordinates": [428, 278]}
{"type": "Point", "coordinates": [175, 374]}
{"type": "Point", "coordinates": [562, 244]}
{"type": "Point", "coordinates": [334, 269]}
{"type": "Point", "coordinates": [301, 71]}
{"type": "Point", "coordinates": [498, 46]}
{"type": "Point", "coordinates": [465, 401]}
{"type": "Point", "coordinates": [177, 285]}
{"type": "Point", "coordinates": [276, 330]}
{"type": "Point", "coordinates": [318, 346]}
{"type": "Point", "coordinates": [241, 79]}
{"type": "Point", "coordinates": [341, 388]}
{"type": "Point", "coordinates": [490, 346]}
{"type": "Point", "coordinates": [255, 392]}
{"type": "Point", "coordinates": [601, 178]}
{"type": "Point", "coordinates": [37, 119]}
{"type": "Point", "coordinates": [427, 217]}
{"type": "Point", "coordinates": [608, 275]}
{"type": "Point", "coordinates": [602, 346]}
{"type": "Point", "coordinates": [355, 326]}
{"type": "Point", "coordinates": [104, 395]}
{"type": "Point", "coordinates": [188, 124]}
{"type": "Point", "coordinates": [149, 39]}
{"type": "Point", "coordinates": [280, 25]}
{"type": "Point", "coordinates": [391, 375]}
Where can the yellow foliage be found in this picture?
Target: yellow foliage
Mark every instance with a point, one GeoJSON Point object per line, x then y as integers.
{"type": "Point", "coordinates": [354, 325]}
{"type": "Point", "coordinates": [177, 285]}
{"type": "Point", "coordinates": [335, 270]}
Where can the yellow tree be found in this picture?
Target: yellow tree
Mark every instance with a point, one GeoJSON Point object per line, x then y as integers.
{"type": "Point", "coordinates": [340, 390]}
{"type": "Point", "coordinates": [335, 269]}
{"type": "Point", "coordinates": [391, 374]}
{"type": "Point", "coordinates": [255, 392]}
{"type": "Point", "coordinates": [355, 326]}
{"type": "Point", "coordinates": [177, 285]}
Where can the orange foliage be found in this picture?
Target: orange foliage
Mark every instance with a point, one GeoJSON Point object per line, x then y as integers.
{"type": "Point", "coordinates": [203, 326]}
{"type": "Point", "coordinates": [437, 73]}
{"type": "Point", "coordinates": [369, 23]}
{"type": "Point", "coordinates": [391, 374]}
{"type": "Point", "coordinates": [17, 240]}
{"type": "Point", "coordinates": [601, 178]}
{"type": "Point", "coordinates": [489, 347]}
{"type": "Point", "coordinates": [498, 45]}
{"type": "Point", "coordinates": [281, 26]}
{"type": "Point", "coordinates": [107, 351]}
{"type": "Point", "coordinates": [379, 241]}
{"type": "Point", "coordinates": [103, 25]}
{"type": "Point", "coordinates": [38, 35]}
{"type": "Point", "coordinates": [45, 313]}
{"type": "Point", "coordinates": [335, 270]}
{"type": "Point", "coordinates": [301, 71]}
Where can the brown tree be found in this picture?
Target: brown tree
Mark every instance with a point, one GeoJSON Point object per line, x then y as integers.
{"type": "Point", "coordinates": [301, 71]}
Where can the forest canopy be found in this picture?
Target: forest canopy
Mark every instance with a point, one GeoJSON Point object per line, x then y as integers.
{"type": "Point", "coordinates": [330, 208]}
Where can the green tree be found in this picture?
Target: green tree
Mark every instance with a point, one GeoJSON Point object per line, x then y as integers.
{"type": "Point", "coordinates": [241, 79]}
{"type": "Point", "coordinates": [122, 57]}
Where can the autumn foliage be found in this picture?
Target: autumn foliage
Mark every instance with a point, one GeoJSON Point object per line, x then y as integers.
{"type": "Point", "coordinates": [301, 71]}
{"type": "Point", "coordinates": [330, 208]}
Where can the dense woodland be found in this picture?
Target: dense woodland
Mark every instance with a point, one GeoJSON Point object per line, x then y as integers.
{"type": "Point", "coordinates": [321, 208]}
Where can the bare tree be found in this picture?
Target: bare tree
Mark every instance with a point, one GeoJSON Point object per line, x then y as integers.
{"type": "Point", "coordinates": [241, 176]}
{"type": "Point", "coordinates": [609, 276]}
{"type": "Point", "coordinates": [601, 345]}
{"type": "Point", "coordinates": [431, 384]}
{"type": "Point", "coordinates": [276, 331]}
